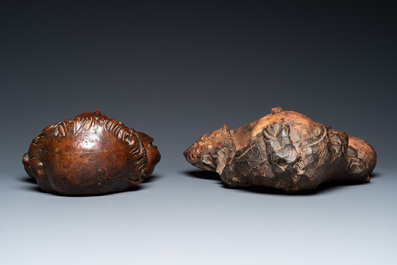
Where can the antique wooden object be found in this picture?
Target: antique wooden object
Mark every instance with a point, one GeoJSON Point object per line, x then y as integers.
{"type": "Point", "coordinates": [89, 155]}
{"type": "Point", "coordinates": [284, 150]}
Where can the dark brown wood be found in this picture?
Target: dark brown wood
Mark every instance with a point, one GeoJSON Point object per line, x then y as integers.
{"type": "Point", "coordinates": [89, 155]}
{"type": "Point", "coordinates": [284, 150]}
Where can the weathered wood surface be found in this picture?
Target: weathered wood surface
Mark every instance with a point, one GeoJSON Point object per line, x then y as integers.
{"type": "Point", "coordinates": [284, 150]}
{"type": "Point", "coordinates": [91, 154]}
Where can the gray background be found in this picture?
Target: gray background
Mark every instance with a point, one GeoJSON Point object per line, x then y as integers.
{"type": "Point", "coordinates": [175, 71]}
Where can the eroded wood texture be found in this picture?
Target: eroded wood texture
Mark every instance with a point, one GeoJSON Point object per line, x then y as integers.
{"type": "Point", "coordinates": [284, 150]}
{"type": "Point", "coordinates": [89, 155]}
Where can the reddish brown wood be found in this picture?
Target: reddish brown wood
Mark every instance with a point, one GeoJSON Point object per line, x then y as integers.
{"type": "Point", "coordinates": [91, 154]}
{"type": "Point", "coordinates": [284, 150]}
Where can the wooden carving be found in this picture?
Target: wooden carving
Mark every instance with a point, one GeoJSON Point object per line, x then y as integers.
{"type": "Point", "coordinates": [284, 150]}
{"type": "Point", "coordinates": [89, 155]}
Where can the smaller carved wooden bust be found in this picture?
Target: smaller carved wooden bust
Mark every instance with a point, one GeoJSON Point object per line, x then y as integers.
{"type": "Point", "coordinates": [284, 150]}
{"type": "Point", "coordinates": [89, 155]}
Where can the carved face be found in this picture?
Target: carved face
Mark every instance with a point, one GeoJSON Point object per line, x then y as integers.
{"type": "Point", "coordinates": [153, 154]}
{"type": "Point", "coordinates": [205, 151]}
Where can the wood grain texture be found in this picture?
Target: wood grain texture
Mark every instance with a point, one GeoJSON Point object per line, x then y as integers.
{"type": "Point", "coordinates": [284, 150]}
{"type": "Point", "coordinates": [89, 155]}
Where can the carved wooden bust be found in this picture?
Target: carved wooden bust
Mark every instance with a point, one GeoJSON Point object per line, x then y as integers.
{"type": "Point", "coordinates": [91, 154]}
{"type": "Point", "coordinates": [284, 150]}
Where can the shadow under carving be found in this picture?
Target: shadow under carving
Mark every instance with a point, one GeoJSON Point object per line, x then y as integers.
{"type": "Point", "coordinates": [322, 188]}
{"type": "Point", "coordinates": [33, 187]}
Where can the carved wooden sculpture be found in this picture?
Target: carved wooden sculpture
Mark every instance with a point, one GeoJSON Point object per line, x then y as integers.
{"type": "Point", "coordinates": [283, 150]}
{"type": "Point", "coordinates": [91, 154]}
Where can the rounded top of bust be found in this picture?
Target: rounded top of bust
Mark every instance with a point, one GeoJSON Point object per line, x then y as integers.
{"type": "Point", "coordinates": [89, 132]}
{"type": "Point", "coordinates": [300, 126]}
